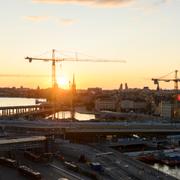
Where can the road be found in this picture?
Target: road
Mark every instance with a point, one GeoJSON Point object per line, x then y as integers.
{"type": "Point", "coordinates": [89, 127]}
{"type": "Point", "coordinates": [135, 169]}
{"type": "Point", "coordinates": [115, 164]}
{"type": "Point", "coordinates": [49, 171]}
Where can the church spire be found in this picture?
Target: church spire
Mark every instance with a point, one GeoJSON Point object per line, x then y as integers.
{"type": "Point", "coordinates": [74, 85]}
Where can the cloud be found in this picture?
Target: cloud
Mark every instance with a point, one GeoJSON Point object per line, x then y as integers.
{"type": "Point", "coordinates": [105, 3]}
{"type": "Point", "coordinates": [60, 21]}
{"type": "Point", "coordinates": [36, 18]}
{"type": "Point", "coordinates": [66, 21]}
{"type": "Point", "coordinates": [153, 5]}
{"type": "Point", "coordinates": [160, 2]}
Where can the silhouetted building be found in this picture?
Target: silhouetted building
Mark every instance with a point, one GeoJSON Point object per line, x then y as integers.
{"type": "Point", "coordinates": [73, 88]}
{"type": "Point", "coordinates": [121, 87]}
{"type": "Point", "coordinates": [95, 90]}
{"type": "Point", "coordinates": [106, 103]}
{"type": "Point", "coordinates": [166, 109]}
{"type": "Point", "coordinates": [73, 91]}
{"type": "Point", "coordinates": [126, 86]}
{"type": "Point", "coordinates": [135, 106]}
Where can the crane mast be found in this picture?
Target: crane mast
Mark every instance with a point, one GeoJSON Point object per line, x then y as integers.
{"type": "Point", "coordinates": [54, 60]}
{"type": "Point", "coordinates": [175, 94]}
{"type": "Point", "coordinates": [54, 82]}
{"type": "Point", "coordinates": [176, 80]}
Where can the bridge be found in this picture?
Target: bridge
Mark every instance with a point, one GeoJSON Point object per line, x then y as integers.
{"type": "Point", "coordinates": [29, 111]}
{"type": "Point", "coordinates": [94, 127]}
{"type": "Point", "coordinates": [79, 130]}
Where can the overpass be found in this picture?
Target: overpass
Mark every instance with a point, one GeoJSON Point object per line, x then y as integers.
{"type": "Point", "coordinates": [58, 127]}
{"type": "Point", "coordinates": [22, 143]}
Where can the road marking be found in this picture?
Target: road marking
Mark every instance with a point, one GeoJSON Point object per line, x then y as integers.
{"type": "Point", "coordinates": [66, 172]}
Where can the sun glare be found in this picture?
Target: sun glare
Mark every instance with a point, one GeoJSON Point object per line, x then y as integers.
{"type": "Point", "coordinates": [63, 82]}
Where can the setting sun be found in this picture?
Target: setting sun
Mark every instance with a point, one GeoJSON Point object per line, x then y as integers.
{"type": "Point", "coordinates": [63, 82]}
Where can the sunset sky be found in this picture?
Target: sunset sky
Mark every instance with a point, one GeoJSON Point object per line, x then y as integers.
{"type": "Point", "coordinates": [145, 33]}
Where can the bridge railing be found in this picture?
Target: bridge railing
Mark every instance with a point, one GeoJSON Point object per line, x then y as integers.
{"type": "Point", "coordinates": [15, 110]}
{"type": "Point", "coordinates": [11, 111]}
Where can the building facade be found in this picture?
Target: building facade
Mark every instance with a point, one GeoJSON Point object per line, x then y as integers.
{"type": "Point", "coordinates": [109, 104]}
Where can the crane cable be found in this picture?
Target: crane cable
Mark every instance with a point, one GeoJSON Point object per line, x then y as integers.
{"type": "Point", "coordinates": [166, 75]}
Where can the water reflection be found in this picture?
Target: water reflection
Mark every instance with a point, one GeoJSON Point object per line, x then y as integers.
{"type": "Point", "coordinates": [5, 101]}
{"type": "Point", "coordinates": [79, 116]}
{"type": "Point", "coordinates": [173, 171]}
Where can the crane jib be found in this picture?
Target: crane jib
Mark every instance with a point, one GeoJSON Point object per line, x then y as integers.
{"type": "Point", "coordinates": [54, 60]}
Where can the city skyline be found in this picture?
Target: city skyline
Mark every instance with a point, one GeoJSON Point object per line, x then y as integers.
{"type": "Point", "coordinates": [145, 34]}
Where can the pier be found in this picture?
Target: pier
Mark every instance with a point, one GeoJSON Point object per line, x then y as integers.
{"type": "Point", "coordinates": [16, 110]}
{"type": "Point", "coordinates": [29, 111]}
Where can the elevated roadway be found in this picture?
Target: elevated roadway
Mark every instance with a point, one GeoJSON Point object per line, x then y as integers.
{"type": "Point", "coordinates": [90, 127]}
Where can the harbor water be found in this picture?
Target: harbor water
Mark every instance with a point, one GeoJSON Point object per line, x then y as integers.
{"type": "Point", "coordinates": [5, 101]}
{"type": "Point", "coordinates": [173, 171]}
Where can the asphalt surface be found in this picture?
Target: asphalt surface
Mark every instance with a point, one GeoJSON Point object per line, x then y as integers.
{"type": "Point", "coordinates": [116, 165]}
{"type": "Point", "coordinates": [49, 171]}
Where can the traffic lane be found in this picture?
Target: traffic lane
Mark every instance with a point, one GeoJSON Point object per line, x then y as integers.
{"type": "Point", "coordinates": [60, 165]}
{"type": "Point", "coordinates": [10, 173]}
{"type": "Point", "coordinates": [49, 172]}
{"type": "Point", "coordinates": [46, 171]}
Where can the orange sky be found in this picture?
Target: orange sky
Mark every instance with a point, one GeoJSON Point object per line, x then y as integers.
{"type": "Point", "coordinates": [144, 33]}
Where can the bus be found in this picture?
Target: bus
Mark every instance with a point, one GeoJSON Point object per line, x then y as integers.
{"type": "Point", "coordinates": [31, 156]}
{"type": "Point", "coordinates": [26, 171]}
{"type": "Point", "coordinates": [8, 162]}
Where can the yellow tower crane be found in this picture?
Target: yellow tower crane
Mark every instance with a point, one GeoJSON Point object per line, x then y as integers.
{"type": "Point", "coordinates": [175, 80]}
{"type": "Point", "coordinates": [175, 96]}
{"type": "Point", "coordinates": [54, 60]}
